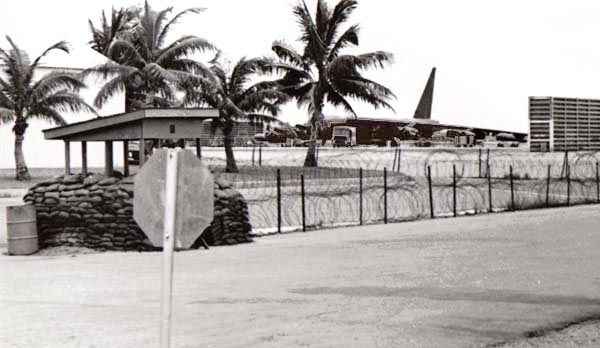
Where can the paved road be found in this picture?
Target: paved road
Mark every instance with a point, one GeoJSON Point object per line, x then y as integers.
{"type": "Point", "coordinates": [435, 283]}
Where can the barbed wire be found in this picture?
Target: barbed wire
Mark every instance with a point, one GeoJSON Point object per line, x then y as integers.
{"type": "Point", "coordinates": [335, 195]}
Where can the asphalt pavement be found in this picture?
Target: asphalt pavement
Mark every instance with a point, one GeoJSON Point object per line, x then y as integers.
{"type": "Point", "coordinates": [471, 281]}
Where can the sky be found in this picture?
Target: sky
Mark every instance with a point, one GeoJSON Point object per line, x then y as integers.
{"type": "Point", "coordinates": [490, 55]}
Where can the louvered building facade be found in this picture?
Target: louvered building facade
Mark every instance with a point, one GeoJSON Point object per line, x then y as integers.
{"type": "Point", "coordinates": [564, 124]}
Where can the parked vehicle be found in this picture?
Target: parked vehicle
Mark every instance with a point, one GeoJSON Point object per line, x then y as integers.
{"type": "Point", "coordinates": [343, 136]}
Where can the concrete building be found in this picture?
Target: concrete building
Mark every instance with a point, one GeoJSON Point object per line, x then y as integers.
{"type": "Point", "coordinates": [564, 124]}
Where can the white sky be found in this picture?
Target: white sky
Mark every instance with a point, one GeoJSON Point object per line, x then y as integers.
{"type": "Point", "coordinates": [490, 55]}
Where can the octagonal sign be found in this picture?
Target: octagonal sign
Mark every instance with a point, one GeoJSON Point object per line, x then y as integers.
{"type": "Point", "coordinates": [194, 204]}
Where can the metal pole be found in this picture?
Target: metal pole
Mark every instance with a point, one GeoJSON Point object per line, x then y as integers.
{"type": "Point", "coordinates": [253, 152]}
{"type": "Point", "coordinates": [512, 190]}
{"type": "Point", "coordinates": [568, 186]}
{"type": "Point", "coordinates": [597, 184]}
{"type": "Point", "coordinates": [395, 159]}
{"type": "Point", "coordinates": [278, 200]}
{"type": "Point", "coordinates": [168, 247]}
{"type": "Point", "coordinates": [360, 204]}
{"type": "Point", "coordinates": [548, 186]}
{"type": "Point", "coordinates": [260, 156]}
{"type": "Point", "coordinates": [430, 192]}
{"type": "Point", "coordinates": [385, 201]}
{"type": "Point", "coordinates": [399, 158]}
{"type": "Point", "coordinates": [480, 154]}
{"type": "Point", "coordinates": [454, 187]}
{"type": "Point", "coordinates": [488, 159]}
{"type": "Point", "coordinates": [303, 203]}
{"type": "Point", "coordinates": [489, 175]}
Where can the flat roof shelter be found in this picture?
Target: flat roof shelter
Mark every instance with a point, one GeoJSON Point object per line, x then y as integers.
{"type": "Point", "coordinates": [141, 125]}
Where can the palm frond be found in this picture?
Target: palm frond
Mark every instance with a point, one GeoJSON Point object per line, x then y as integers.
{"type": "Point", "coordinates": [185, 46]}
{"type": "Point", "coordinates": [315, 47]}
{"type": "Point", "coordinates": [348, 38]}
{"type": "Point", "coordinates": [61, 46]}
{"type": "Point", "coordinates": [174, 20]}
{"type": "Point", "coordinates": [56, 81]}
{"type": "Point", "coordinates": [289, 55]}
{"type": "Point", "coordinates": [126, 53]}
{"type": "Point", "coordinates": [109, 90]}
{"type": "Point", "coordinates": [338, 100]}
{"type": "Point", "coordinates": [61, 101]}
{"type": "Point", "coordinates": [107, 70]}
{"type": "Point", "coordinates": [362, 91]}
{"type": "Point", "coordinates": [341, 14]}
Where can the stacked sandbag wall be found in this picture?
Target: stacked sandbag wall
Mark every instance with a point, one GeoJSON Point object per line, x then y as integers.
{"type": "Point", "coordinates": [97, 212]}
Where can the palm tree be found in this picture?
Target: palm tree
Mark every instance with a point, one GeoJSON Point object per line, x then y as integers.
{"type": "Point", "coordinates": [121, 22]}
{"type": "Point", "coordinates": [23, 99]}
{"type": "Point", "coordinates": [231, 92]}
{"type": "Point", "coordinates": [142, 63]}
{"type": "Point", "coordinates": [322, 74]}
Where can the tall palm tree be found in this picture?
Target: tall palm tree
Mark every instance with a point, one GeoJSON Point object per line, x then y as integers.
{"type": "Point", "coordinates": [23, 99]}
{"type": "Point", "coordinates": [143, 64]}
{"type": "Point", "coordinates": [322, 73]}
{"type": "Point", "coordinates": [236, 97]}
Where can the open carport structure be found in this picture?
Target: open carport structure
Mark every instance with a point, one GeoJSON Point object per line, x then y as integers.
{"type": "Point", "coordinates": [141, 125]}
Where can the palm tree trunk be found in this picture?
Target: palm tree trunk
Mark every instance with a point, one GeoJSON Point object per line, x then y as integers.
{"type": "Point", "coordinates": [231, 166]}
{"type": "Point", "coordinates": [22, 173]}
{"type": "Point", "coordinates": [311, 155]}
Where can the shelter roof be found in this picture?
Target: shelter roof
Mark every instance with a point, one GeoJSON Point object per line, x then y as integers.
{"type": "Point", "coordinates": [109, 126]}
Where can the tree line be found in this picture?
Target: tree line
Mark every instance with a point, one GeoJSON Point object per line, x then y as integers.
{"type": "Point", "coordinates": [155, 73]}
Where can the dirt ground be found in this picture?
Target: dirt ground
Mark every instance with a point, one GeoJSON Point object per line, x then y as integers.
{"type": "Point", "coordinates": [466, 282]}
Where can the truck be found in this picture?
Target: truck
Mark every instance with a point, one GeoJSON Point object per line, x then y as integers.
{"type": "Point", "coordinates": [343, 136]}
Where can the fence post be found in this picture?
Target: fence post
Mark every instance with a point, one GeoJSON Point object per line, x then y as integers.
{"type": "Point", "coordinates": [548, 186]}
{"type": "Point", "coordinates": [253, 153]}
{"type": "Point", "coordinates": [399, 158]}
{"type": "Point", "coordinates": [488, 158]}
{"type": "Point", "coordinates": [385, 202]}
{"type": "Point", "coordinates": [454, 188]}
{"type": "Point", "coordinates": [260, 156]}
{"type": "Point", "coordinates": [568, 186]}
{"type": "Point", "coordinates": [430, 192]}
{"type": "Point", "coordinates": [480, 154]}
{"type": "Point", "coordinates": [512, 190]}
{"type": "Point", "coordinates": [489, 175]}
{"type": "Point", "coordinates": [278, 200]}
{"type": "Point", "coordinates": [597, 184]}
{"type": "Point", "coordinates": [360, 194]}
{"type": "Point", "coordinates": [303, 203]}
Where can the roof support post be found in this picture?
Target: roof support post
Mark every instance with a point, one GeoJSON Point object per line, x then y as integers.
{"type": "Point", "coordinates": [67, 157]}
{"type": "Point", "coordinates": [84, 162]}
{"type": "Point", "coordinates": [108, 158]}
{"type": "Point", "coordinates": [142, 152]}
{"type": "Point", "coordinates": [198, 148]}
{"type": "Point", "coordinates": [125, 158]}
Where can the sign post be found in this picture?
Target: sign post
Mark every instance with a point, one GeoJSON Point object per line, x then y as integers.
{"type": "Point", "coordinates": [168, 248]}
{"type": "Point", "coordinates": [173, 204]}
